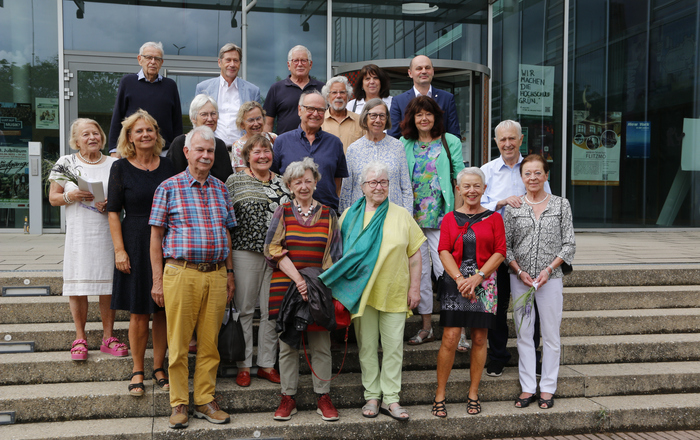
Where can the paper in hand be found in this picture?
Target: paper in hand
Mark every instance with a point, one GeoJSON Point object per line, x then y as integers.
{"type": "Point", "coordinates": [95, 188]}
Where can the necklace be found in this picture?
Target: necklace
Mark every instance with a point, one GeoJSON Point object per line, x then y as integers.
{"type": "Point", "coordinates": [139, 162]}
{"type": "Point", "coordinates": [536, 203]}
{"type": "Point", "coordinates": [269, 176]}
{"type": "Point", "coordinates": [307, 213]}
{"type": "Point", "coordinates": [87, 161]}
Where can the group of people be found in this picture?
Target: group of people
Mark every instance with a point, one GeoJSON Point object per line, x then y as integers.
{"type": "Point", "coordinates": [364, 201]}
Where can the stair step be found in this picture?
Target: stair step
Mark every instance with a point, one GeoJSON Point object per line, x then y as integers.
{"type": "Point", "coordinates": [18, 310]}
{"type": "Point", "coordinates": [630, 297]}
{"type": "Point", "coordinates": [497, 419]}
{"type": "Point", "coordinates": [87, 400]}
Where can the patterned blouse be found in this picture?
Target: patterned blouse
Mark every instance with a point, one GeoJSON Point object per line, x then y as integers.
{"type": "Point", "coordinates": [254, 202]}
{"type": "Point", "coordinates": [390, 151]}
{"type": "Point", "coordinates": [237, 147]}
{"type": "Point", "coordinates": [428, 203]}
{"type": "Point", "coordinates": [533, 243]}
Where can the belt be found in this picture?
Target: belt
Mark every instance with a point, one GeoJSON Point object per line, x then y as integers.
{"type": "Point", "coordinates": [202, 267]}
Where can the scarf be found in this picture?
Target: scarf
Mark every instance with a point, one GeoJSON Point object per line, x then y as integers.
{"type": "Point", "coordinates": [348, 277]}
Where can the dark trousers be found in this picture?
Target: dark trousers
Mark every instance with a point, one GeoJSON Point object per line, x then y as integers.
{"type": "Point", "coordinates": [498, 335]}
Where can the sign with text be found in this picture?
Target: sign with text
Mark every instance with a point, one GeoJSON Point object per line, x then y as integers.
{"type": "Point", "coordinates": [536, 90]}
{"type": "Point", "coordinates": [14, 177]}
{"type": "Point", "coordinates": [595, 153]}
{"type": "Point", "coordinates": [637, 139]}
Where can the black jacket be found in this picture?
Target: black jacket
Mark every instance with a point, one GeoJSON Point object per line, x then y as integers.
{"type": "Point", "coordinates": [296, 314]}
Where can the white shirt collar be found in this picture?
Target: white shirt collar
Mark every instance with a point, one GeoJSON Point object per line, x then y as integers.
{"type": "Point", "coordinates": [224, 84]}
{"type": "Point", "coordinates": [430, 91]}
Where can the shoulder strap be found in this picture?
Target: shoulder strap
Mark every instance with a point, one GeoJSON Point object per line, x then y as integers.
{"type": "Point", "coordinates": [449, 154]}
{"type": "Point", "coordinates": [354, 106]}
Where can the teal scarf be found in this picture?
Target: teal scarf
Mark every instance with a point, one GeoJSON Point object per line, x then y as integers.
{"type": "Point", "coordinates": [348, 277]}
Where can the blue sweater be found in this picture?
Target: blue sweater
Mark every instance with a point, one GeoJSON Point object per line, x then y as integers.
{"type": "Point", "coordinates": [160, 99]}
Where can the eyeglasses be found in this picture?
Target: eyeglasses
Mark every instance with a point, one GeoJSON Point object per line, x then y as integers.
{"type": "Point", "coordinates": [341, 93]}
{"type": "Point", "coordinates": [537, 174]}
{"type": "Point", "coordinates": [311, 110]}
{"type": "Point", "coordinates": [204, 115]}
{"type": "Point", "coordinates": [150, 58]}
{"type": "Point", "coordinates": [303, 62]}
{"type": "Point", "coordinates": [374, 116]}
{"type": "Point", "coordinates": [373, 183]}
{"type": "Point", "coordinates": [254, 120]}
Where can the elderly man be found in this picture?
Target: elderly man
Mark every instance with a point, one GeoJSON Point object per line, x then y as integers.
{"type": "Point", "coordinates": [338, 120]}
{"type": "Point", "coordinates": [310, 141]}
{"type": "Point", "coordinates": [230, 92]}
{"type": "Point", "coordinates": [150, 91]}
{"type": "Point", "coordinates": [190, 220]}
{"type": "Point", "coordinates": [421, 72]}
{"type": "Point", "coordinates": [281, 101]}
{"type": "Point", "coordinates": [504, 186]}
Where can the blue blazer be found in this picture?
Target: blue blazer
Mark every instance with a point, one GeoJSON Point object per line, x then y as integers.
{"type": "Point", "coordinates": [248, 91]}
{"type": "Point", "coordinates": [445, 100]}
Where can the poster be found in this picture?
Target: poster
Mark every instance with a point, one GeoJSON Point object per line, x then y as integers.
{"type": "Point", "coordinates": [595, 152]}
{"type": "Point", "coordinates": [47, 113]}
{"type": "Point", "coordinates": [637, 139]}
{"type": "Point", "coordinates": [14, 177]}
{"type": "Point", "coordinates": [536, 90]}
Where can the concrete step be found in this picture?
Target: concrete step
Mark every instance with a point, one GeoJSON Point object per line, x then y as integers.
{"type": "Point", "coordinates": [41, 309]}
{"type": "Point", "coordinates": [87, 400]}
{"type": "Point", "coordinates": [497, 419]}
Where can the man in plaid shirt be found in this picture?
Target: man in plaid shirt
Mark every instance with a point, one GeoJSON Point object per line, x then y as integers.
{"type": "Point", "coordinates": [190, 220]}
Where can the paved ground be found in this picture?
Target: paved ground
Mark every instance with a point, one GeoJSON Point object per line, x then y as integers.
{"type": "Point", "coordinates": [661, 435]}
{"type": "Point", "coordinates": [33, 253]}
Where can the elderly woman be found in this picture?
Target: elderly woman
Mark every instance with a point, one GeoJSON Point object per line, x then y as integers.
{"type": "Point", "coordinates": [540, 238]}
{"type": "Point", "coordinates": [251, 119]}
{"type": "Point", "coordinates": [381, 296]}
{"type": "Point", "coordinates": [87, 268]}
{"type": "Point", "coordinates": [434, 159]}
{"type": "Point", "coordinates": [472, 246]}
{"type": "Point", "coordinates": [302, 234]}
{"type": "Point", "coordinates": [203, 111]}
{"type": "Point", "coordinates": [256, 193]}
{"type": "Point", "coordinates": [375, 145]}
{"type": "Point", "coordinates": [372, 83]}
{"type": "Point", "coordinates": [132, 182]}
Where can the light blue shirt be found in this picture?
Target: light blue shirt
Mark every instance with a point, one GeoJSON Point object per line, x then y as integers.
{"type": "Point", "coordinates": [143, 77]}
{"type": "Point", "coordinates": [502, 182]}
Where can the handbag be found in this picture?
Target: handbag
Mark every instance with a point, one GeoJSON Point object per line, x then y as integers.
{"type": "Point", "coordinates": [231, 338]}
{"type": "Point", "coordinates": [342, 318]}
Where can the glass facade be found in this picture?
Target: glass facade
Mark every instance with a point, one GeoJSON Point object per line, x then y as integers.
{"type": "Point", "coordinates": [606, 90]}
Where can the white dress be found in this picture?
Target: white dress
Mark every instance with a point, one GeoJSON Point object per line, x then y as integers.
{"type": "Point", "coordinates": [361, 104]}
{"type": "Point", "coordinates": [88, 258]}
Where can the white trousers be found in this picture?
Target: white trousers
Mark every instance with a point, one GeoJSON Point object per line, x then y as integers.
{"type": "Point", "coordinates": [550, 302]}
{"type": "Point", "coordinates": [428, 252]}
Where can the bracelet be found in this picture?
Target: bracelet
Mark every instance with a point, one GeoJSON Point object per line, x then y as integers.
{"type": "Point", "coordinates": [229, 270]}
{"type": "Point", "coordinates": [551, 269]}
{"type": "Point", "coordinates": [458, 277]}
{"type": "Point", "coordinates": [67, 199]}
{"type": "Point", "coordinates": [519, 272]}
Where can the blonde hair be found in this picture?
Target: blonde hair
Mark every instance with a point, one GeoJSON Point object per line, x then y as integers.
{"type": "Point", "coordinates": [125, 148]}
{"type": "Point", "coordinates": [74, 132]}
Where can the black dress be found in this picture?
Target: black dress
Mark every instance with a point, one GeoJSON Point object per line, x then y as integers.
{"type": "Point", "coordinates": [132, 189]}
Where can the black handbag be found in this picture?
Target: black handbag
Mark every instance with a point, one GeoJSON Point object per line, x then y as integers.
{"type": "Point", "coordinates": [231, 339]}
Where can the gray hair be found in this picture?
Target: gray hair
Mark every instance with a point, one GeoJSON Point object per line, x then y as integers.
{"type": "Point", "coordinates": [228, 47]}
{"type": "Point", "coordinates": [476, 171]}
{"type": "Point", "coordinates": [205, 133]}
{"type": "Point", "coordinates": [375, 166]}
{"type": "Point", "coordinates": [312, 92]}
{"type": "Point", "coordinates": [154, 45]}
{"type": "Point", "coordinates": [198, 102]}
{"type": "Point", "coordinates": [369, 105]}
{"type": "Point", "coordinates": [337, 79]}
{"type": "Point", "coordinates": [507, 125]}
{"type": "Point", "coordinates": [297, 169]}
{"type": "Point", "coordinates": [296, 48]}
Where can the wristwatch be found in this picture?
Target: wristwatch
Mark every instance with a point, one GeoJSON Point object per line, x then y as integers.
{"type": "Point", "coordinates": [481, 273]}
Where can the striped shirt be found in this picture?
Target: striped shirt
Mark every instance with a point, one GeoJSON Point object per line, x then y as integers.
{"type": "Point", "coordinates": [195, 216]}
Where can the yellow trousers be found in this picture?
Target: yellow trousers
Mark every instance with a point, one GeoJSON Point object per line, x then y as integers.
{"type": "Point", "coordinates": [194, 300]}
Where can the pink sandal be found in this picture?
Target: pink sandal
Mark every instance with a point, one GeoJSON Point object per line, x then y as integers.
{"type": "Point", "coordinates": [79, 353]}
{"type": "Point", "coordinates": [118, 349]}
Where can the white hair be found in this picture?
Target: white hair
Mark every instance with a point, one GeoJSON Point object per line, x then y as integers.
{"type": "Point", "coordinates": [507, 125]}
{"type": "Point", "coordinates": [337, 79]}
{"type": "Point", "coordinates": [297, 169]}
{"type": "Point", "coordinates": [476, 171]}
{"type": "Point", "coordinates": [375, 166]}
{"type": "Point", "coordinates": [205, 133]}
{"type": "Point", "coordinates": [198, 102]}
{"type": "Point", "coordinates": [312, 92]}
{"type": "Point", "coordinates": [154, 45]}
{"type": "Point", "coordinates": [296, 48]}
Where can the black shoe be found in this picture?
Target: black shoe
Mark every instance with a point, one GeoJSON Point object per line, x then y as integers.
{"type": "Point", "coordinates": [495, 368]}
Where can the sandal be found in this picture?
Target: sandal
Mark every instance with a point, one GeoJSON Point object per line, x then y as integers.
{"type": "Point", "coordinates": [463, 345]}
{"type": "Point", "coordinates": [394, 413]}
{"type": "Point", "coordinates": [417, 339]}
{"type": "Point", "coordinates": [371, 407]}
{"type": "Point", "coordinates": [137, 389]}
{"type": "Point", "coordinates": [163, 383]}
{"type": "Point", "coordinates": [548, 403]}
{"type": "Point", "coordinates": [79, 353]}
{"type": "Point", "coordinates": [473, 405]}
{"type": "Point", "coordinates": [525, 402]}
{"type": "Point", "coordinates": [118, 349]}
{"type": "Point", "coordinates": [439, 409]}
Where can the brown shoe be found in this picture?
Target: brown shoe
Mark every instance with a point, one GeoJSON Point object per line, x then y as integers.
{"type": "Point", "coordinates": [179, 418]}
{"type": "Point", "coordinates": [211, 412]}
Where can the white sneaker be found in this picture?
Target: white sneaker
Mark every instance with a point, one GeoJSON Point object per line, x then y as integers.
{"type": "Point", "coordinates": [463, 344]}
